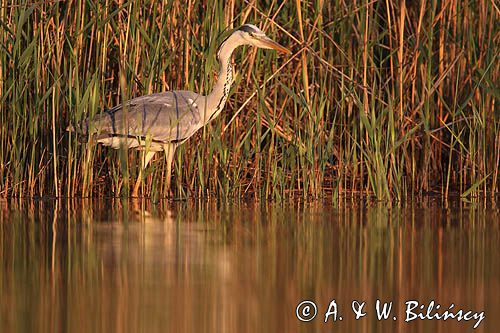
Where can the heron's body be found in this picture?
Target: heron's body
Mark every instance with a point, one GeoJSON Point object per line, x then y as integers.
{"type": "Point", "coordinates": [151, 121]}
{"type": "Point", "coordinates": [162, 121]}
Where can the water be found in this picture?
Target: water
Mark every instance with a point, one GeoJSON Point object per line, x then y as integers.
{"type": "Point", "coordinates": [206, 267]}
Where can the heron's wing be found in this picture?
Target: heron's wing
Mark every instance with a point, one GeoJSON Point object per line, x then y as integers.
{"type": "Point", "coordinates": [165, 117]}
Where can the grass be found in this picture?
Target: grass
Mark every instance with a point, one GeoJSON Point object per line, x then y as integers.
{"type": "Point", "coordinates": [378, 98]}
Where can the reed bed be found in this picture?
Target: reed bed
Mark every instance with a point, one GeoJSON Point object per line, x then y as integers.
{"type": "Point", "coordinates": [388, 99]}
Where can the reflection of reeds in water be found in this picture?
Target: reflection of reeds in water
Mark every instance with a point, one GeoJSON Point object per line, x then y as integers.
{"type": "Point", "coordinates": [239, 269]}
{"type": "Point", "coordinates": [380, 97]}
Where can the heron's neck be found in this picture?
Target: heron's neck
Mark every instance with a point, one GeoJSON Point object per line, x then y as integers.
{"type": "Point", "coordinates": [217, 98]}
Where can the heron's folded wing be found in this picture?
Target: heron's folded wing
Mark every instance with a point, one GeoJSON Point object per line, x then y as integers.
{"type": "Point", "coordinates": [169, 116]}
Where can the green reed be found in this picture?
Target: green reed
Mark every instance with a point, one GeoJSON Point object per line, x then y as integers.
{"type": "Point", "coordinates": [377, 98]}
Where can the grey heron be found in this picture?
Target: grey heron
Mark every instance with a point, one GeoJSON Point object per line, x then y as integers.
{"type": "Point", "coordinates": [162, 121]}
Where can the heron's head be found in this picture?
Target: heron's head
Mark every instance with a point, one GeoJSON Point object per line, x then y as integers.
{"type": "Point", "coordinates": [252, 35]}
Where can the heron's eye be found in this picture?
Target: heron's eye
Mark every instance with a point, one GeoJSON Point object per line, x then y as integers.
{"type": "Point", "coordinates": [251, 34]}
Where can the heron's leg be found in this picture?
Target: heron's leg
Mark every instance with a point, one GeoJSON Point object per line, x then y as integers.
{"type": "Point", "coordinates": [146, 158]}
{"type": "Point", "coordinates": [169, 156]}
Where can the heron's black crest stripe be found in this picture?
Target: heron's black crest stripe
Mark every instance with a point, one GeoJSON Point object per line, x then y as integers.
{"type": "Point", "coordinates": [248, 28]}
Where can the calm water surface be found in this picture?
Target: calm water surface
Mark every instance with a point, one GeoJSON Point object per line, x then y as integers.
{"type": "Point", "coordinates": [206, 267]}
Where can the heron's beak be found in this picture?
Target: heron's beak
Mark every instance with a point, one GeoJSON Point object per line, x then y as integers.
{"type": "Point", "coordinates": [268, 43]}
